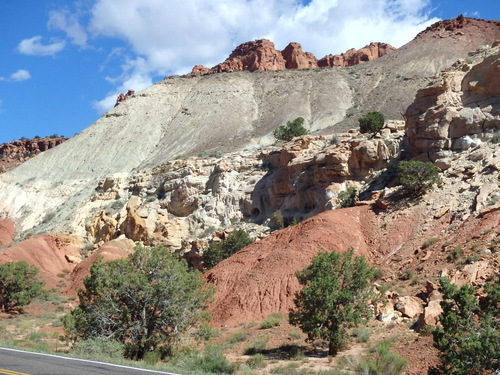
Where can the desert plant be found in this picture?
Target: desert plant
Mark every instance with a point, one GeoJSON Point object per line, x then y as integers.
{"type": "Point", "coordinates": [469, 335]}
{"type": "Point", "coordinates": [212, 361]}
{"type": "Point", "coordinates": [218, 251]}
{"type": "Point", "coordinates": [100, 346]}
{"type": "Point", "coordinates": [335, 296]}
{"type": "Point", "coordinates": [256, 347]}
{"type": "Point", "coordinates": [455, 253]}
{"type": "Point", "coordinates": [347, 198]}
{"type": "Point", "coordinates": [429, 242]}
{"type": "Point", "coordinates": [292, 129]}
{"type": "Point", "coordinates": [272, 320]}
{"type": "Point", "coordinates": [362, 335]}
{"type": "Point", "coordinates": [277, 221]}
{"type": "Point", "coordinates": [495, 138]}
{"type": "Point", "coordinates": [417, 176]}
{"type": "Point", "coordinates": [146, 301]}
{"type": "Point", "coordinates": [256, 361]}
{"type": "Point", "coordinates": [19, 285]}
{"type": "Point", "coordinates": [372, 122]}
{"type": "Point", "coordinates": [380, 361]}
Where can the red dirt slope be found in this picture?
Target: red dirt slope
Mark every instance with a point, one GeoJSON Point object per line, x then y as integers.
{"type": "Point", "coordinates": [6, 232]}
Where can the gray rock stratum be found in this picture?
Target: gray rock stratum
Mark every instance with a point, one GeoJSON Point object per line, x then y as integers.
{"type": "Point", "coordinates": [66, 188]}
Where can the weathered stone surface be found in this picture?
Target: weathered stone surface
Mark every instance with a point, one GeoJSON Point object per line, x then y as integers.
{"type": "Point", "coordinates": [459, 110]}
{"type": "Point", "coordinates": [122, 97]}
{"type": "Point", "coordinates": [431, 313]}
{"type": "Point", "coordinates": [354, 57]}
{"type": "Point", "coordinates": [409, 306]}
{"type": "Point", "coordinates": [296, 59]}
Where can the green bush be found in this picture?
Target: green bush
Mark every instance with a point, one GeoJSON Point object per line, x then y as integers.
{"type": "Point", "coordinates": [146, 301]}
{"type": "Point", "coordinates": [256, 347]}
{"type": "Point", "coordinates": [455, 253]}
{"type": "Point", "coordinates": [495, 138]}
{"type": "Point", "coordinates": [256, 361]}
{"type": "Point", "coordinates": [100, 346]}
{"type": "Point", "coordinates": [277, 221]}
{"type": "Point", "coordinates": [19, 285]}
{"type": "Point", "coordinates": [272, 320]}
{"type": "Point", "coordinates": [211, 361]}
{"type": "Point", "coordinates": [292, 129]}
{"type": "Point", "coordinates": [429, 242]}
{"type": "Point", "coordinates": [347, 198]}
{"type": "Point", "coordinates": [372, 122]}
{"type": "Point", "coordinates": [469, 335]}
{"type": "Point", "coordinates": [381, 361]}
{"type": "Point", "coordinates": [216, 252]}
{"type": "Point", "coordinates": [335, 295]}
{"type": "Point", "coordinates": [362, 335]}
{"type": "Point", "coordinates": [417, 176]}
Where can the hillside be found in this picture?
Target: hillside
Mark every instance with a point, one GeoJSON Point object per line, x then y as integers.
{"type": "Point", "coordinates": [183, 116]}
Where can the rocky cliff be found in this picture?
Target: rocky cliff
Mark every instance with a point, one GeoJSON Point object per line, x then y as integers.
{"type": "Point", "coordinates": [262, 55]}
{"type": "Point", "coordinates": [15, 153]}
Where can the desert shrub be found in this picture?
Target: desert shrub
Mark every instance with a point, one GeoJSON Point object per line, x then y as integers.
{"type": "Point", "coordinates": [417, 176]}
{"type": "Point", "coordinates": [406, 275]}
{"type": "Point", "coordinates": [429, 242]}
{"type": "Point", "coordinates": [347, 198]}
{"type": "Point", "coordinates": [277, 221]}
{"type": "Point", "coordinates": [334, 298]}
{"type": "Point", "coordinates": [292, 129]}
{"type": "Point", "coordinates": [256, 361]}
{"type": "Point", "coordinates": [372, 122]}
{"type": "Point", "coordinates": [495, 138]}
{"type": "Point", "coordinates": [206, 332]}
{"type": "Point", "coordinates": [362, 334]}
{"type": "Point", "coordinates": [211, 361]}
{"type": "Point", "coordinates": [469, 334]}
{"type": "Point", "coordinates": [100, 346]}
{"type": "Point", "coordinates": [216, 252]}
{"type": "Point", "coordinates": [455, 253]}
{"type": "Point", "coordinates": [380, 361]}
{"type": "Point", "coordinates": [19, 285]}
{"type": "Point", "coordinates": [256, 347]}
{"type": "Point", "coordinates": [237, 337]}
{"type": "Point", "coordinates": [272, 320]}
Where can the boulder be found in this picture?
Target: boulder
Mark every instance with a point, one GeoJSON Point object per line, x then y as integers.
{"type": "Point", "coordinates": [410, 307]}
{"type": "Point", "coordinates": [431, 313]}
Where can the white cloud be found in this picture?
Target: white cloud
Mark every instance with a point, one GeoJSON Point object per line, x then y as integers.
{"type": "Point", "coordinates": [67, 22]}
{"type": "Point", "coordinates": [34, 46]}
{"type": "Point", "coordinates": [20, 75]}
{"type": "Point", "coordinates": [172, 37]}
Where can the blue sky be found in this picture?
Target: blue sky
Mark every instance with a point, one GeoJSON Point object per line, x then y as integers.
{"type": "Point", "coordinates": [64, 62]}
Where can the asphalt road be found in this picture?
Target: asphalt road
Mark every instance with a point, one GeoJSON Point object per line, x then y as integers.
{"type": "Point", "coordinates": [18, 362]}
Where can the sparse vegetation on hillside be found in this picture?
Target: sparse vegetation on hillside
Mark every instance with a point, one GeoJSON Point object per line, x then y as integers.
{"type": "Point", "coordinates": [292, 129]}
{"type": "Point", "coordinates": [347, 198]}
{"type": "Point", "coordinates": [334, 298]}
{"type": "Point", "coordinates": [216, 252]}
{"type": "Point", "coordinates": [146, 302]}
{"type": "Point", "coordinates": [372, 122]}
{"type": "Point", "coordinates": [19, 285]}
{"type": "Point", "coordinates": [469, 334]}
{"type": "Point", "coordinates": [417, 176]}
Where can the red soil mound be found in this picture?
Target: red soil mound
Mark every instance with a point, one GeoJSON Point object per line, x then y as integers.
{"type": "Point", "coordinates": [54, 255]}
{"type": "Point", "coordinates": [6, 232]}
{"type": "Point", "coordinates": [260, 278]}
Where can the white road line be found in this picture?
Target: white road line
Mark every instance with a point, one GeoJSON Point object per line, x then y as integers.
{"type": "Point", "coordinates": [90, 361]}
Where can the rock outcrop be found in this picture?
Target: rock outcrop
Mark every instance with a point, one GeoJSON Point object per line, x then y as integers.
{"type": "Point", "coordinates": [354, 57]}
{"type": "Point", "coordinates": [122, 97]}
{"type": "Point", "coordinates": [13, 154]}
{"type": "Point", "coordinates": [262, 55]}
{"type": "Point", "coordinates": [459, 110]}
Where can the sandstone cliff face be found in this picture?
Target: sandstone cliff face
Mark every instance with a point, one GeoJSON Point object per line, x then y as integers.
{"type": "Point", "coordinates": [262, 55]}
{"type": "Point", "coordinates": [15, 153]}
{"type": "Point", "coordinates": [457, 111]}
{"type": "Point", "coordinates": [354, 57]}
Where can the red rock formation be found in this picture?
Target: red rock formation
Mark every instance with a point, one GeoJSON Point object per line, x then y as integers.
{"type": "Point", "coordinates": [256, 55]}
{"type": "Point", "coordinates": [122, 97]}
{"type": "Point", "coordinates": [261, 55]}
{"type": "Point", "coordinates": [353, 57]}
{"type": "Point", "coordinates": [296, 59]}
{"type": "Point", "coordinates": [15, 153]}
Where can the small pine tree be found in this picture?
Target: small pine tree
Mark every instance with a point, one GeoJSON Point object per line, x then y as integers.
{"type": "Point", "coordinates": [218, 251]}
{"type": "Point", "coordinates": [277, 221]}
{"type": "Point", "coordinates": [335, 295]}
{"type": "Point", "coordinates": [372, 122]}
{"type": "Point", "coordinates": [292, 129]}
{"type": "Point", "coordinates": [469, 334]}
{"type": "Point", "coordinates": [417, 176]}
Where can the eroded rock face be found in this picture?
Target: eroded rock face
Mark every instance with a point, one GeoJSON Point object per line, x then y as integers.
{"type": "Point", "coordinates": [262, 55]}
{"type": "Point", "coordinates": [459, 110]}
{"type": "Point", "coordinates": [122, 97]}
{"type": "Point", "coordinates": [354, 57]}
{"type": "Point", "coordinates": [256, 55]}
{"type": "Point", "coordinates": [296, 59]}
{"type": "Point", "coordinates": [15, 153]}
